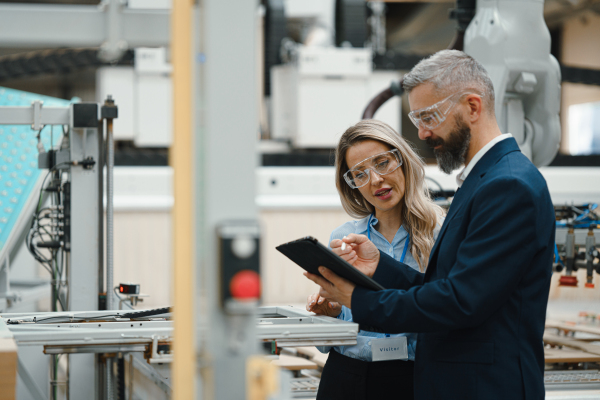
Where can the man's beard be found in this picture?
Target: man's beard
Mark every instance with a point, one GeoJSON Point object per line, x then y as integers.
{"type": "Point", "coordinates": [451, 155]}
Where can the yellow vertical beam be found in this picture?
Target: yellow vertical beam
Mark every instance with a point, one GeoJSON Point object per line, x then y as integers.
{"type": "Point", "coordinates": [183, 368]}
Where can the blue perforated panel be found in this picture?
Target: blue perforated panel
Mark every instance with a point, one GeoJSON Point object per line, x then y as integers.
{"type": "Point", "coordinates": [18, 158]}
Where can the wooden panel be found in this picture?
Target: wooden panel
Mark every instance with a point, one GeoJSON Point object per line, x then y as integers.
{"type": "Point", "coordinates": [570, 342]}
{"type": "Point", "coordinates": [294, 363]}
{"type": "Point", "coordinates": [314, 355]}
{"type": "Point", "coordinates": [594, 330]}
{"type": "Point", "coordinates": [143, 254]}
{"type": "Point", "coordinates": [8, 368]}
{"type": "Point", "coordinates": [569, 356]}
{"type": "Point", "coordinates": [282, 280]}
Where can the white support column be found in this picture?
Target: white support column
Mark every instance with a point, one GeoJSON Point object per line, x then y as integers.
{"type": "Point", "coordinates": [226, 159]}
{"type": "Point", "coordinates": [83, 271]}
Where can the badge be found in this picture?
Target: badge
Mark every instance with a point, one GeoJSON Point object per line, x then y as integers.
{"type": "Point", "coordinates": [393, 348]}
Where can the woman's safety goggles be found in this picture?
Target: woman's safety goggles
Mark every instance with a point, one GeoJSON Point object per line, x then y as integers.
{"type": "Point", "coordinates": [381, 164]}
{"type": "Point", "coordinates": [431, 117]}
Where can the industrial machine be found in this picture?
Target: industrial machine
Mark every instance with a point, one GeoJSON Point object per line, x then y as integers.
{"type": "Point", "coordinates": [525, 75]}
{"type": "Point", "coordinates": [216, 326]}
{"type": "Point", "coordinates": [59, 214]}
{"type": "Point", "coordinates": [576, 232]}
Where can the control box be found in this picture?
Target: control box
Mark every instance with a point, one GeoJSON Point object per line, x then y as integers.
{"type": "Point", "coordinates": [239, 263]}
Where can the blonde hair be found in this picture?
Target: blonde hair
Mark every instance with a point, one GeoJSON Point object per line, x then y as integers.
{"type": "Point", "coordinates": [420, 215]}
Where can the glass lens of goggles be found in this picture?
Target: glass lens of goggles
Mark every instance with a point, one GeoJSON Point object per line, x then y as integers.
{"type": "Point", "coordinates": [382, 164]}
{"type": "Point", "coordinates": [431, 117]}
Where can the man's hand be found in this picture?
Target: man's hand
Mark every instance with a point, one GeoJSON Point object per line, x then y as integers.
{"type": "Point", "coordinates": [358, 251]}
{"type": "Point", "coordinates": [320, 306]}
{"type": "Point", "coordinates": [333, 287]}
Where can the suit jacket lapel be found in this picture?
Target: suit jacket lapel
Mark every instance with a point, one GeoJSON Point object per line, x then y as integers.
{"type": "Point", "coordinates": [460, 199]}
{"type": "Point", "coordinates": [469, 186]}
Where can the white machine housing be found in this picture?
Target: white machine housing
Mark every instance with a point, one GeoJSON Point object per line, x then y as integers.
{"type": "Point", "coordinates": [323, 91]}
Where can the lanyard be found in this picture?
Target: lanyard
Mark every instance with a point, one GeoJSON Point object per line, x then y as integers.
{"type": "Point", "coordinates": [405, 243]}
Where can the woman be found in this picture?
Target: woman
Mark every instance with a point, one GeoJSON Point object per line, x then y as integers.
{"type": "Point", "coordinates": [380, 180]}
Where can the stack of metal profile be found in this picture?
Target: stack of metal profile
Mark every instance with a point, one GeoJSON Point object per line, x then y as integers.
{"type": "Point", "coordinates": [304, 386]}
{"type": "Point", "coordinates": [572, 380]}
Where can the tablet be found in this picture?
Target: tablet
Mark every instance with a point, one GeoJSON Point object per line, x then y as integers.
{"type": "Point", "coordinates": [310, 255]}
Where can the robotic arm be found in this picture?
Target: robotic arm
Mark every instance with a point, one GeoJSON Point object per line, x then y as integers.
{"type": "Point", "coordinates": [512, 41]}
{"type": "Point", "coordinates": [510, 38]}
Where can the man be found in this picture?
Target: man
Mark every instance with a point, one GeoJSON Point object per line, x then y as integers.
{"type": "Point", "coordinates": [480, 307]}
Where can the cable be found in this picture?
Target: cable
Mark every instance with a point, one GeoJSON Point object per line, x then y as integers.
{"type": "Point", "coordinates": [121, 298]}
{"type": "Point", "coordinates": [130, 315]}
{"type": "Point", "coordinates": [148, 313]}
{"type": "Point", "coordinates": [78, 318]}
{"type": "Point", "coordinates": [395, 89]}
{"type": "Point", "coordinates": [39, 229]}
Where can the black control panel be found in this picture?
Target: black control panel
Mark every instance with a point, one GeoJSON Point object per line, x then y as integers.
{"type": "Point", "coordinates": [239, 262]}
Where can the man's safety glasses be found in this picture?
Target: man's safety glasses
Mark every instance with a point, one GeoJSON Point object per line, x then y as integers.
{"type": "Point", "coordinates": [381, 164]}
{"type": "Point", "coordinates": [431, 117]}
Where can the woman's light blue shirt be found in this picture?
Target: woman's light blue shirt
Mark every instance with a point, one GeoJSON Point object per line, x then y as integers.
{"type": "Point", "coordinates": [362, 349]}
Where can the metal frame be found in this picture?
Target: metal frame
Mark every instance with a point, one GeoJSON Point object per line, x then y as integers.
{"type": "Point", "coordinates": [73, 336]}
{"type": "Point", "coordinates": [151, 373]}
{"type": "Point", "coordinates": [85, 234]}
{"type": "Point", "coordinates": [300, 328]}
{"type": "Point", "coordinates": [288, 326]}
{"type": "Point", "coordinates": [36, 116]}
{"type": "Point", "coordinates": [86, 338]}
{"type": "Point", "coordinates": [110, 26]}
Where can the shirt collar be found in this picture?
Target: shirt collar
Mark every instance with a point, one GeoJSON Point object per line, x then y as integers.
{"type": "Point", "coordinates": [361, 228]}
{"type": "Point", "coordinates": [460, 178]}
{"type": "Point", "coordinates": [361, 224]}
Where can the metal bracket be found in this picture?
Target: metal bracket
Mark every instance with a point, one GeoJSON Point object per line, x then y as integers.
{"type": "Point", "coordinates": [4, 278]}
{"type": "Point", "coordinates": [114, 47]}
{"type": "Point", "coordinates": [5, 292]}
{"type": "Point", "coordinates": [155, 356]}
{"type": "Point", "coordinates": [37, 115]}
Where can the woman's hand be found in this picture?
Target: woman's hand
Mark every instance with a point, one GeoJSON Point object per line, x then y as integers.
{"type": "Point", "coordinates": [320, 306]}
{"type": "Point", "coordinates": [333, 287]}
{"type": "Point", "coordinates": [359, 251]}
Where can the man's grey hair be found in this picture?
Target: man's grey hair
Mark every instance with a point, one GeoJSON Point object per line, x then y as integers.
{"type": "Point", "coordinates": [452, 71]}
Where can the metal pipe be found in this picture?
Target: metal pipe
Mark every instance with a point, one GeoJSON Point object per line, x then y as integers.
{"type": "Point", "coordinates": [394, 90]}
{"type": "Point", "coordinates": [109, 237]}
{"type": "Point", "coordinates": [101, 163]}
{"type": "Point", "coordinates": [570, 251]}
{"type": "Point", "coordinates": [590, 246]}
{"type": "Point", "coordinates": [120, 377]}
{"type": "Point", "coordinates": [109, 214]}
{"type": "Point", "coordinates": [109, 380]}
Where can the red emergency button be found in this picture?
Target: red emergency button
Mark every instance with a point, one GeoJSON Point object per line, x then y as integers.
{"type": "Point", "coordinates": [245, 285]}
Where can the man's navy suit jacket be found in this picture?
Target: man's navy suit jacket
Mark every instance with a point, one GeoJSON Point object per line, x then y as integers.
{"type": "Point", "coordinates": [480, 307]}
